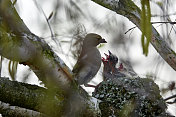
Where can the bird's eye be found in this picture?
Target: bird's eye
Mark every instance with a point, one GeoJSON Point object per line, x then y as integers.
{"type": "Point", "coordinates": [98, 37]}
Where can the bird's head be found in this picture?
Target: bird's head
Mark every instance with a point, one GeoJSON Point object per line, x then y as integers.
{"type": "Point", "coordinates": [93, 39]}
{"type": "Point", "coordinates": [112, 58]}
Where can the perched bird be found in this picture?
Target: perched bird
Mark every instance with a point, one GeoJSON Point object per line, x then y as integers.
{"type": "Point", "coordinates": [89, 61]}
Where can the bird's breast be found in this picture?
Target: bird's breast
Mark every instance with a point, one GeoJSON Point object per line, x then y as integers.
{"type": "Point", "coordinates": [95, 56]}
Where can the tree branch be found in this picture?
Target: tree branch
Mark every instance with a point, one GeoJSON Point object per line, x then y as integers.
{"type": "Point", "coordinates": [50, 102]}
{"type": "Point", "coordinates": [19, 44]}
{"type": "Point", "coordinates": [29, 96]}
{"type": "Point", "coordinates": [128, 9]}
{"type": "Point", "coordinates": [10, 111]}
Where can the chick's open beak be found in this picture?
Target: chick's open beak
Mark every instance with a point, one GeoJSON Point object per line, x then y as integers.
{"type": "Point", "coordinates": [107, 56]}
{"type": "Point", "coordinates": [109, 52]}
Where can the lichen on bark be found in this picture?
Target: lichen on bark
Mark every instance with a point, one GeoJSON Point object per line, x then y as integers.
{"type": "Point", "coordinates": [130, 97]}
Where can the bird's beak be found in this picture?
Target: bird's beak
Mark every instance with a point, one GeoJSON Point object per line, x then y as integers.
{"type": "Point", "coordinates": [103, 41]}
{"type": "Point", "coordinates": [107, 56]}
{"type": "Point", "coordinates": [104, 60]}
{"type": "Point", "coordinates": [109, 52]}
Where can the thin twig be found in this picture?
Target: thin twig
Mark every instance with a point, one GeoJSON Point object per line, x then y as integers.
{"type": "Point", "coordinates": [130, 29]}
{"type": "Point", "coordinates": [47, 20]}
{"type": "Point", "coordinates": [156, 15]}
{"type": "Point", "coordinates": [171, 102]}
{"type": "Point", "coordinates": [173, 96]}
{"type": "Point", "coordinates": [163, 22]}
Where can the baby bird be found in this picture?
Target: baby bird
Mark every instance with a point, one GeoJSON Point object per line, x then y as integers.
{"type": "Point", "coordinates": [110, 71]}
{"type": "Point", "coordinates": [89, 61]}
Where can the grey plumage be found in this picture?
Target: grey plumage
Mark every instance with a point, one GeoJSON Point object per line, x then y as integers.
{"type": "Point", "coordinates": [89, 60]}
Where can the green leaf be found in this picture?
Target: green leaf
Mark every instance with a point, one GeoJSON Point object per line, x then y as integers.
{"type": "Point", "coordinates": [146, 26]}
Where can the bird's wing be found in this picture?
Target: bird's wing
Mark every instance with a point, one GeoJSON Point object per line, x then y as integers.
{"type": "Point", "coordinates": [87, 57]}
{"type": "Point", "coordinates": [80, 63]}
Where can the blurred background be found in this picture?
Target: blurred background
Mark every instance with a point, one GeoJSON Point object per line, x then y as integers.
{"type": "Point", "coordinates": [64, 23]}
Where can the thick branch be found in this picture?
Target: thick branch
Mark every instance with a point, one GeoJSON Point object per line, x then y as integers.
{"type": "Point", "coordinates": [29, 96]}
{"type": "Point", "coordinates": [128, 9]}
{"type": "Point", "coordinates": [51, 102]}
{"type": "Point", "coordinates": [11, 111]}
{"type": "Point", "coordinates": [19, 44]}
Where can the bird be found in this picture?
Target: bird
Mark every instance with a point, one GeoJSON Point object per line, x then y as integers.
{"type": "Point", "coordinates": [113, 60]}
{"type": "Point", "coordinates": [109, 65]}
{"type": "Point", "coordinates": [106, 69]}
{"type": "Point", "coordinates": [109, 70]}
{"type": "Point", "coordinates": [89, 61]}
